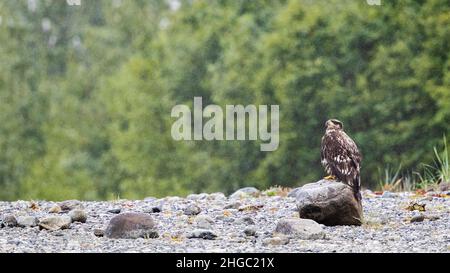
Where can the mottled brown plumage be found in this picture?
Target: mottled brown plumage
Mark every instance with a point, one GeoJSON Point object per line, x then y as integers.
{"type": "Point", "coordinates": [340, 156]}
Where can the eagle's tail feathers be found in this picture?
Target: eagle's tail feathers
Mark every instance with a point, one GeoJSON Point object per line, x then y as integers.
{"type": "Point", "coordinates": [357, 188]}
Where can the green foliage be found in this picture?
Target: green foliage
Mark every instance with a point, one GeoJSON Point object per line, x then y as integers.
{"type": "Point", "coordinates": [390, 179]}
{"type": "Point", "coordinates": [439, 172]}
{"type": "Point", "coordinates": [86, 92]}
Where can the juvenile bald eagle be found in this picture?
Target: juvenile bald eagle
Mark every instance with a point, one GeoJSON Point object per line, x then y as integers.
{"type": "Point", "coordinates": [340, 156]}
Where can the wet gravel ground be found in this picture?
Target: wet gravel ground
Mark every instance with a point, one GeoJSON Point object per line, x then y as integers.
{"type": "Point", "coordinates": [387, 226]}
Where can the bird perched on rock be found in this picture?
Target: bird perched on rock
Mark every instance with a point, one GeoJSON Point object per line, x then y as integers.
{"type": "Point", "coordinates": [340, 156]}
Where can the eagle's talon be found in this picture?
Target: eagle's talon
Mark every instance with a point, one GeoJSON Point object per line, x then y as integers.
{"type": "Point", "coordinates": [330, 177]}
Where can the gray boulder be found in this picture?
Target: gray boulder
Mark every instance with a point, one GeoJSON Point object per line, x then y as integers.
{"type": "Point", "coordinates": [203, 222]}
{"type": "Point", "coordinates": [70, 205]}
{"type": "Point", "coordinates": [55, 222]}
{"type": "Point", "coordinates": [233, 205]}
{"type": "Point", "coordinates": [99, 232]}
{"type": "Point", "coordinates": [27, 221]}
{"type": "Point", "coordinates": [329, 202]}
{"type": "Point", "coordinates": [245, 192]}
{"type": "Point", "coordinates": [131, 226]}
{"type": "Point", "coordinates": [9, 221]}
{"type": "Point", "coordinates": [78, 215]}
{"type": "Point", "coordinates": [245, 220]}
{"type": "Point", "coordinates": [304, 229]}
{"type": "Point", "coordinates": [192, 209]}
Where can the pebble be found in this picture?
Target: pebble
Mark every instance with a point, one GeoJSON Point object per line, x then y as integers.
{"type": "Point", "coordinates": [156, 209]}
{"type": "Point", "coordinates": [202, 234]}
{"type": "Point", "coordinates": [250, 231]}
{"type": "Point", "coordinates": [9, 221]}
{"type": "Point", "coordinates": [245, 193]}
{"type": "Point", "coordinates": [245, 220]}
{"type": "Point", "coordinates": [55, 222]}
{"type": "Point", "coordinates": [218, 196]}
{"type": "Point", "coordinates": [417, 218]}
{"type": "Point", "coordinates": [233, 205]}
{"type": "Point", "coordinates": [99, 232]}
{"type": "Point", "coordinates": [300, 228]}
{"type": "Point", "coordinates": [78, 215]}
{"type": "Point", "coordinates": [203, 222]}
{"type": "Point", "coordinates": [115, 210]}
{"type": "Point", "coordinates": [27, 221]}
{"type": "Point", "coordinates": [55, 209]}
{"type": "Point", "coordinates": [433, 217]}
{"type": "Point", "coordinates": [70, 205]}
{"type": "Point", "coordinates": [388, 194]}
{"type": "Point", "coordinates": [192, 209]}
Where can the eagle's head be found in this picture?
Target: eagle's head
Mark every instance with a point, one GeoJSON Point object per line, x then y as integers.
{"type": "Point", "coordinates": [333, 124]}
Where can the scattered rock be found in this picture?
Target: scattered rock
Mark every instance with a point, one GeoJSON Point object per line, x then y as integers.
{"type": "Point", "coordinates": [202, 234]}
{"type": "Point", "coordinates": [388, 194]}
{"type": "Point", "coordinates": [387, 227]}
{"type": "Point", "coordinates": [228, 220]}
{"type": "Point", "coordinates": [276, 241]}
{"type": "Point", "coordinates": [78, 215]}
{"type": "Point", "coordinates": [55, 222]}
{"type": "Point", "coordinates": [233, 205]}
{"type": "Point", "coordinates": [417, 218]}
{"type": "Point", "coordinates": [433, 217]}
{"type": "Point", "coordinates": [27, 221]}
{"type": "Point", "coordinates": [70, 205]}
{"type": "Point", "coordinates": [251, 208]}
{"type": "Point", "coordinates": [330, 203]}
{"type": "Point", "coordinates": [203, 222]}
{"type": "Point", "coordinates": [99, 232]}
{"type": "Point", "coordinates": [156, 209]}
{"type": "Point", "coordinates": [217, 196]}
{"type": "Point", "coordinates": [192, 209]}
{"type": "Point", "coordinates": [245, 220]}
{"type": "Point", "coordinates": [444, 186]}
{"type": "Point", "coordinates": [197, 196]}
{"type": "Point", "coordinates": [131, 226]}
{"type": "Point", "coordinates": [9, 221]}
{"type": "Point", "coordinates": [245, 192]}
{"type": "Point", "coordinates": [250, 231]}
{"type": "Point", "coordinates": [304, 229]}
{"type": "Point", "coordinates": [115, 210]}
{"type": "Point", "coordinates": [55, 209]}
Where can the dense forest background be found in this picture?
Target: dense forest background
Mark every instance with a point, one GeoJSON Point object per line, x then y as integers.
{"type": "Point", "coordinates": [86, 91]}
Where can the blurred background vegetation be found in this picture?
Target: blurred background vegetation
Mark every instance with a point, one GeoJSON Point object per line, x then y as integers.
{"type": "Point", "coordinates": [86, 91]}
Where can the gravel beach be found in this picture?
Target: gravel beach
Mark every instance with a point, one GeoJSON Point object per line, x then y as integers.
{"type": "Point", "coordinates": [215, 223]}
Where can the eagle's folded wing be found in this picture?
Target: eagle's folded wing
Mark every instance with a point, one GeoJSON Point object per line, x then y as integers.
{"type": "Point", "coordinates": [340, 156]}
